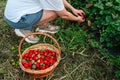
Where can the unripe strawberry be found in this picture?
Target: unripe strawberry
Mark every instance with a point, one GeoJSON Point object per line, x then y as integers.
{"type": "Point", "coordinates": [38, 55]}
{"type": "Point", "coordinates": [33, 66]}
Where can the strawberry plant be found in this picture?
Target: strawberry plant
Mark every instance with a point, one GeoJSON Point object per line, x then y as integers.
{"type": "Point", "coordinates": [73, 38]}
{"type": "Point", "coordinates": [103, 16]}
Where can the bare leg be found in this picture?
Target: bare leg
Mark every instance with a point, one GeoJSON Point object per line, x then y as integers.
{"type": "Point", "coordinates": [44, 26]}
{"type": "Point", "coordinates": [48, 15]}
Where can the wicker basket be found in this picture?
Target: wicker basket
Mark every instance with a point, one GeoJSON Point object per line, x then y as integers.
{"type": "Point", "coordinates": [48, 71]}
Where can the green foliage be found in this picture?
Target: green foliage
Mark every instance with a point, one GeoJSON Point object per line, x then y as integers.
{"type": "Point", "coordinates": [104, 16]}
{"type": "Point", "coordinates": [118, 74]}
{"type": "Point", "coordinates": [112, 31]}
{"type": "Point", "coordinates": [107, 21]}
{"type": "Point", "coordinates": [116, 63]}
{"type": "Point", "coordinates": [73, 39]}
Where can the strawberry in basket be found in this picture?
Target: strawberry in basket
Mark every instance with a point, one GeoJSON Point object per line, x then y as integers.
{"type": "Point", "coordinates": [38, 59]}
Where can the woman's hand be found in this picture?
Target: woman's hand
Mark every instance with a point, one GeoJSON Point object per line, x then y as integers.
{"type": "Point", "coordinates": [79, 13]}
{"type": "Point", "coordinates": [69, 16]}
{"type": "Point", "coordinates": [80, 19]}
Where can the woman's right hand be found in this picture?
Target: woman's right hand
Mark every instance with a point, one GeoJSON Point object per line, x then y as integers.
{"type": "Point", "coordinates": [80, 18]}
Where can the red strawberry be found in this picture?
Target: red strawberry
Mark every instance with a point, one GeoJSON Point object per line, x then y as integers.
{"type": "Point", "coordinates": [48, 64]}
{"type": "Point", "coordinates": [31, 51]}
{"type": "Point", "coordinates": [23, 63]}
{"type": "Point", "coordinates": [35, 58]}
{"type": "Point", "coordinates": [42, 67]}
{"type": "Point", "coordinates": [47, 58]}
{"type": "Point", "coordinates": [45, 53]}
{"type": "Point", "coordinates": [26, 65]}
{"type": "Point", "coordinates": [30, 64]}
{"type": "Point", "coordinates": [52, 53]}
{"type": "Point", "coordinates": [52, 61]}
{"type": "Point", "coordinates": [35, 52]}
{"type": "Point", "coordinates": [83, 18]}
{"type": "Point", "coordinates": [30, 59]}
{"type": "Point", "coordinates": [25, 55]}
{"type": "Point", "coordinates": [38, 61]}
{"type": "Point", "coordinates": [37, 65]}
{"type": "Point", "coordinates": [45, 61]}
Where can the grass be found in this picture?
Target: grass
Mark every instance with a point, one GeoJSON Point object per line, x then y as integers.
{"type": "Point", "coordinates": [73, 66]}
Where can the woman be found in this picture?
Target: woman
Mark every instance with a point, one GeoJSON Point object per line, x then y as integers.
{"type": "Point", "coordinates": [23, 15]}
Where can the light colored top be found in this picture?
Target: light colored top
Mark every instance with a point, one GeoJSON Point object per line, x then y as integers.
{"type": "Point", "coordinates": [16, 8]}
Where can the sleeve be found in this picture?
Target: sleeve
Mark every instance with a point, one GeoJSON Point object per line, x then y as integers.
{"type": "Point", "coordinates": [56, 5]}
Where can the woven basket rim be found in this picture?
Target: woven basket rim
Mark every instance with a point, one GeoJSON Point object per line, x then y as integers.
{"type": "Point", "coordinates": [41, 71]}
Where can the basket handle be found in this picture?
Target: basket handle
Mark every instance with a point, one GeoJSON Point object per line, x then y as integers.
{"type": "Point", "coordinates": [35, 33]}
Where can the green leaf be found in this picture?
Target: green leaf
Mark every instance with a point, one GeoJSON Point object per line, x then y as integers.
{"type": "Point", "coordinates": [118, 1]}
{"type": "Point", "coordinates": [105, 12]}
{"type": "Point", "coordinates": [109, 4]}
{"type": "Point", "coordinates": [118, 28]}
{"type": "Point", "coordinates": [117, 8]}
{"type": "Point", "coordinates": [109, 44]}
{"type": "Point", "coordinates": [94, 43]}
{"type": "Point", "coordinates": [101, 39]}
{"type": "Point", "coordinates": [99, 5]}
{"type": "Point", "coordinates": [108, 19]}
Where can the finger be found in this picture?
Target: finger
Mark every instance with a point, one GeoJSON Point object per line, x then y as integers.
{"type": "Point", "coordinates": [83, 13]}
{"type": "Point", "coordinates": [81, 19]}
{"type": "Point", "coordinates": [80, 14]}
{"type": "Point", "coordinates": [76, 14]}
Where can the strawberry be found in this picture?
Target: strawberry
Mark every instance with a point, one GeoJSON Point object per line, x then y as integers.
{"type": "Point", "coordinates": [26, 65]}
{"type": "Point", "coordinates": [38, 55]}
{"type": "Point", "coordinates": [23, 63]}
{"type": "Point", "coordinates": [35, 58]}
{"type": "Point", "coordinates": [48, 64]}
{"type": "Point", "coordinates": [83, 18]}
{"type": "Point", "coordinates": [37, 65]}
{"type": "Point", "coordinates": [45, 61]}
{"type": "Point", "coordinates": [25, 55]}
{"type": "Point", "coordinates": [42, 67]}
{"type": "Point", "coordinates": [33, 66]}
{"type": "Point", "coordinates": [45, 53]}
{"type": "Point", "coordinates": [31, 51]}
{"type": "Point", "coordinates": [35, 52]}
{"type": "Point", "coordinates": [52, 53]}
{"type": "Point", "coordinates": [47, 58]}
{"type": "Point", "coordinates": [53, 61]}
{"type": "Point", "coordinates": [39, 60]}
{"type": "Point", "coordinates": [30, 64]}
{"type": "Point", "coordinates": [31, 59]}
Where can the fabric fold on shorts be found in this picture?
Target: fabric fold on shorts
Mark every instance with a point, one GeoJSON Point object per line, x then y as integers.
{"type": "Point", "coordinates": [27, 21]}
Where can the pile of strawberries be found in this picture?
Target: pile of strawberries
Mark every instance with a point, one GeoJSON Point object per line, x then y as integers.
{"type": "Point", "coordinates": [38, 59]}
